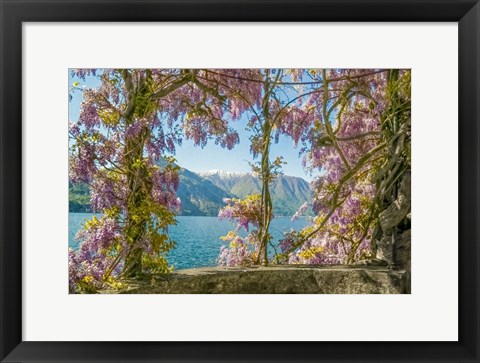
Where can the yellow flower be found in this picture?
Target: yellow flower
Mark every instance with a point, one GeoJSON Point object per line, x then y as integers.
{"type": "Point", "coordinates": [88, 279]}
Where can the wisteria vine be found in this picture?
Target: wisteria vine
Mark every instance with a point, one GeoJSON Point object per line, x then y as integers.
{"type": "Point", "coordinates": [352, 127]}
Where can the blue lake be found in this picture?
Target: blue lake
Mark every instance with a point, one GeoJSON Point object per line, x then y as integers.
{"type": "Point", "coordinates": [198, 238]}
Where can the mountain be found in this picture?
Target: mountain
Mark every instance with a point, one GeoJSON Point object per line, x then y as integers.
{"type": "Point", "coordinates": [288, 192]}
{"type": "Point", "coordinates": [199, 196]}
{"type": "Point", "coordinates": [223, 179]}
{"type": "Point", "coordinates": [202, 193]}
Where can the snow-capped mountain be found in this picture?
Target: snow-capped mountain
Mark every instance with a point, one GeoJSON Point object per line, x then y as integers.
{"type": "Point", "coordinates": [224, 180]}
{"type": "Point", "coordinates": [288, 192]}
{"type": "Point", "coordinates": [222, 173]}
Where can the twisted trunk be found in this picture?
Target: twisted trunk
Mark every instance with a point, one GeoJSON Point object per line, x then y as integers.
{"type": "Point", "coordinates": [135, 225]}
{"type": "Point", "coordinates": [139, 183]}
{"type": "Point", "coordinates": [135, 228]}
{"type": "Point", "coordinates": [266, 177]}
{"type": "Point", "coordinates": [266, 204]}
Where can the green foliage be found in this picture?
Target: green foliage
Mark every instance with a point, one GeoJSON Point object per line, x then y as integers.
{"type": "Point", "coordinates": [79, 198]}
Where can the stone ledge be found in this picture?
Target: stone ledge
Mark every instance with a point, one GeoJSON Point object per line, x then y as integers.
{"type": "Point", "coordinates": [276, 280]}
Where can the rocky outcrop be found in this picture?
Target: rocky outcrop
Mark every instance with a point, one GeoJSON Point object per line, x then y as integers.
{"type": "Point", "coordinates": [277, 280]}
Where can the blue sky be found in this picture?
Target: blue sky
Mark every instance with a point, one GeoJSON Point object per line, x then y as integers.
{"type": "Point", "coordinates": [213, 156]}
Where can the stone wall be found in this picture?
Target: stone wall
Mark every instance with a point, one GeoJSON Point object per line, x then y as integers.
{"type": "Point", "coordinates": [277, 280]}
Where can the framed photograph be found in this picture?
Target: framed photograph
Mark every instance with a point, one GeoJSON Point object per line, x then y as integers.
{"type": "Point", "coordinates": [226, 181]}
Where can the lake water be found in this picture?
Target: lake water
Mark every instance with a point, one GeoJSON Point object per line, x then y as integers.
{"type": "Point", "coordinates": [198, 238]}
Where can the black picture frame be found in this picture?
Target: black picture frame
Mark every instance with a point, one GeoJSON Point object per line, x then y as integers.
{"type": "Point", "coordinates": [14, 12]}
